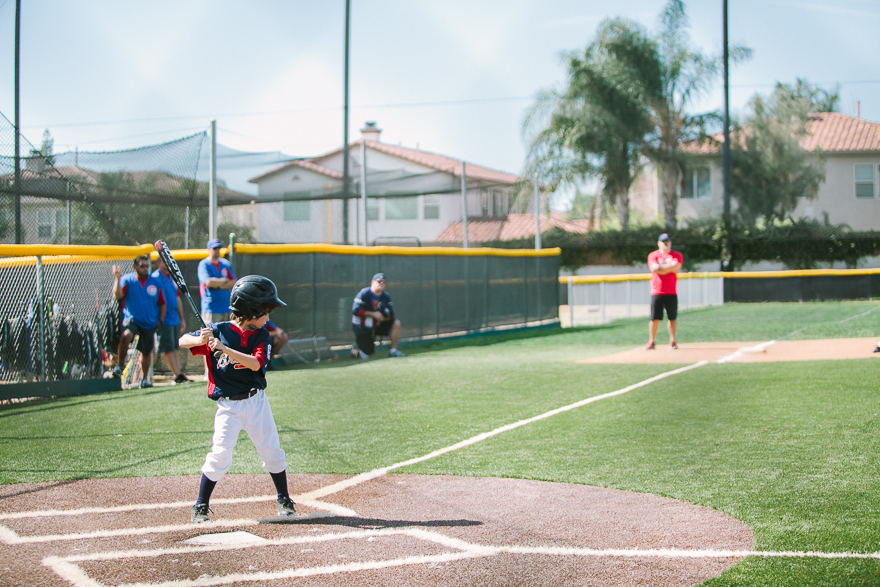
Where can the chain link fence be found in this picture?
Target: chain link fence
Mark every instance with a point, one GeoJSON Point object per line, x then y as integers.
{"type": "Point", "coordinates": [61, 322]}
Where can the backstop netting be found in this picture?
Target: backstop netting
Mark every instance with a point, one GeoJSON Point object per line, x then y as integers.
{"type": "Point", "coordinates": [107, 198]}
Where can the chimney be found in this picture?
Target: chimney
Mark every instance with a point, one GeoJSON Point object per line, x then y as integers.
{"type": "Point", "coordinates": [370, 132]}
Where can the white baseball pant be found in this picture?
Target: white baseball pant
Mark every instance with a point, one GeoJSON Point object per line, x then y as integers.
{"type": "Point", "coordinates": [254, 416]}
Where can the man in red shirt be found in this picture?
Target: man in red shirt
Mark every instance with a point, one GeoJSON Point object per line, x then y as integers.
{"type": "Point", "coordinates": [665, 265]}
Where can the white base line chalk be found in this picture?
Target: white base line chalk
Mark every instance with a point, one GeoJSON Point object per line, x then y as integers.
{"type": "Point", "coordinates": [363, 477]}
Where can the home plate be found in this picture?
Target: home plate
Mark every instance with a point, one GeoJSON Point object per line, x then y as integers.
{"type": "Point", "coordinates": [236, 538]}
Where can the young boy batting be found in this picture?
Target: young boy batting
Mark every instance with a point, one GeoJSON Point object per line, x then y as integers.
{"type": "Point", "coordinates": [236, 381]}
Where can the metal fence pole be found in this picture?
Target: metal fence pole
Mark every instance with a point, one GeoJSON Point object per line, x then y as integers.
{"type": "Point", "coordinates": [629, 296]}
{"type": "Point", "coordinates": [364, 186]}
{"type": "Point", "coordinates": [212, 184]}
{"type": "Point", "coordinates": [39, 318]}
{"type": "Point", "coordinates": [570, 301]}
{"type": "Point", "coordinates": [464, 206]}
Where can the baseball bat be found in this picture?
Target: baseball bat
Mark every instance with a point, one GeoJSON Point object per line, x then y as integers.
{"type": "Point", "coordinates": [177, 278]}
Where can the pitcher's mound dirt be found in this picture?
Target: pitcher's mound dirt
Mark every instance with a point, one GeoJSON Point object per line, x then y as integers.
{"type": "Point", "coordinates": [748, 352]}
{"type": "Point", "coordinates": [438, 515]}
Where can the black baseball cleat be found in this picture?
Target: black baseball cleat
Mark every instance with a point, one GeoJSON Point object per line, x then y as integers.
{"type": "Point", "coordinates": [181, 378]}
{"type": "Point", "coordinates": [285, 506]}
{"type": "Point", "coordinates": [200, 513]}
{"type": "Point", "coordinates": [146, 383]}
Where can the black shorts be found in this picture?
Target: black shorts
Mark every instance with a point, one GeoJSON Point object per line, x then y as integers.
{"type": "Point", "coordinates": [668, 301]}
{"type": "Point", "coordinates": [145, 342]}
{"type": "Point", "coordinates": [366, 342]}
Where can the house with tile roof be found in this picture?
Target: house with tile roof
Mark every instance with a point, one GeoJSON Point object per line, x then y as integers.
{"type": "Point", "coordinates": [411, 195]}
{"type": "Point", "coordinates": [511, 227]}
{"type": "Point", "coordinates": [850, 194]}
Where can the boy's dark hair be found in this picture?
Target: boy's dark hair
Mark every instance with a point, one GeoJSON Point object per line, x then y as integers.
{"type": "Point", "coordinates": [241, 317]}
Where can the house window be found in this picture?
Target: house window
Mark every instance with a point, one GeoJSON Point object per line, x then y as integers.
{"type": "Point", "coordinates": [44, 223]}
{"type": "Point", "coordinates": [297, 210]}
{"type": "Point", "coordinates": [498, 203]}
{"type": "Point", "coordinates": [402, 208]}
{"type": "Point", "coordinates": [696, 183]}
{"type": "Point", "coordinates": [372, 209]}
{"type": "Point", "coordinates": [864, 181]}
{"type": "Point", "coordinates": [484, 203]}
{"type": "Point", "coordinates": [432, 207]}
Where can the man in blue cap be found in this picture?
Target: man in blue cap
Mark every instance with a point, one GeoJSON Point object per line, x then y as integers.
{"type": "Point", "coordinates": [215, 284]}
{"type": "Point", "coordinates": [372, 315]}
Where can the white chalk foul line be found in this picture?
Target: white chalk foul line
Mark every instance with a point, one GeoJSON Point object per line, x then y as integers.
{"type": "Point", "coordinates": [65, 567]}
{"type": "Point", "coordinates": [363, 477]}
{"type": "Point", "coordinates": [737, 354]}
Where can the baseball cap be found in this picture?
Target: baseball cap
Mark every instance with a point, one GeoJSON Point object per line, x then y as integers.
{"type": "Point", "coordinates": [378, 276]}
{"type": "Point", "coordinates": [214, 243]}
{"type": "Point", "coordinates": [663, 237]}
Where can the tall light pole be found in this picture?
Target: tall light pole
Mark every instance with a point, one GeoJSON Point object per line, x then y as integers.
{"type": "Point", "coordinates": [726, 252]}
{"type": "Point", "coordinates": [17, 177]}
{"type": "Point", "coordinates": [346, 180]}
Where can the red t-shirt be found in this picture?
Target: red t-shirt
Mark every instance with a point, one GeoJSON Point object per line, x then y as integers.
{"type": "Point", "coordinates": [663, 284]}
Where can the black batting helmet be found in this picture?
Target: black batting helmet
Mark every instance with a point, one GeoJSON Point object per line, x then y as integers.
{"type": "Point", "coordinates": [252, 294]}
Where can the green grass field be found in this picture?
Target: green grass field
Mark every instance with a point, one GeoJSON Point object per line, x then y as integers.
{"type": "Point", "coordinates": [791, 449]}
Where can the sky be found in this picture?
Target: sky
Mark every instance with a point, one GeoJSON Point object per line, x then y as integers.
{"type": "Point", "coordinates": [453, 77]}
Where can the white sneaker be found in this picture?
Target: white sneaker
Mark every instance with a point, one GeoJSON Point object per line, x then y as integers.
{"type": "Point", "coordinates": [396, 353]}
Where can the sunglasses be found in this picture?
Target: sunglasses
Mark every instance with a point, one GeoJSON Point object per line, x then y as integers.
{"type": "Point", "coordinates": [142, 266]}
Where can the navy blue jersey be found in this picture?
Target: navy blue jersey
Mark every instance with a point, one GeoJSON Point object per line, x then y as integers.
{"type": "Point", "coordinates": [226, 377]}
{"type": "Point", "coordinates": [366, 301]}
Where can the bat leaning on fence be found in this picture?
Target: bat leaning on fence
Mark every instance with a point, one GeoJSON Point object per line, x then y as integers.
{"type": "Point", "coordinates": [177, 278]}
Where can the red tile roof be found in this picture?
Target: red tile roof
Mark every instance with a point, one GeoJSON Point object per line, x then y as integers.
{"type": "Point", "coordinates": [830, 131]}
{"type": "Point", "coordinates": [432, 160]}
{"type": "Point", "coordinates": [515, 226]}
{"type": "Point", "coordinates": [442, 163]}
{"type": "Point", "coordinates": [302, 163]}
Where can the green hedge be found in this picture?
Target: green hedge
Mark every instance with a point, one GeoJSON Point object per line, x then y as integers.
{"type": "Point", "coordinates": [798, 244]}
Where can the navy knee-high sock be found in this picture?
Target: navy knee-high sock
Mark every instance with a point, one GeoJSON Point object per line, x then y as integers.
{"type": "Point", "coordinates": [206, 486]}
{"type": "Point", "coordinates": [280, 481]}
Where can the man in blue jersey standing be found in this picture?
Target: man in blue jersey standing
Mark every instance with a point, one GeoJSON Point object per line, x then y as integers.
{"type": "Point", "coordinates": [372, 316]}
{"type": "Point", "coordinates": [143, 310]}
{"type": "Point", "coordinates": [174, 325]}
{"type": "Point", "coordinates": [215, 285]}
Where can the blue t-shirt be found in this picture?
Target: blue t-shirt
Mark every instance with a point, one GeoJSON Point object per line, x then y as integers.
{"type": "Point", "coordinates": [141, 300]}
{"type": "Point", "coordinates": [226, 377]}
{"type": "Point", "coordinates": [215, 301]}
{"type": "Point", "coordinates": [366, 301]}
{"type": "Point", "coordinates": [171, 294]}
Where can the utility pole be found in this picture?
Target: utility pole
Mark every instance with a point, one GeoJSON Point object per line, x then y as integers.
{"type": "Point", "coordinates": [346, 180]}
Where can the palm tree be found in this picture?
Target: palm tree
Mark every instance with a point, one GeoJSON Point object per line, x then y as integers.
{"type": "Point", "coordinates": [685, 74]}
{"type": "Point", "coordinates": [596, 126]}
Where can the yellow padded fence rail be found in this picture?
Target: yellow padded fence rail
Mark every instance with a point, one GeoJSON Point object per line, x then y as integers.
{"type": "Point", "coordinates": [75, 253]}
{"type": "Point", "coordinates": [581, 279]}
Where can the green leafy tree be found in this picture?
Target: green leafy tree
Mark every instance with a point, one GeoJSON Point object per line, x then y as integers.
{"type": "Point", "coordinates": [770, 170]}
{"type": "Point", "coordinates": [820, 100]}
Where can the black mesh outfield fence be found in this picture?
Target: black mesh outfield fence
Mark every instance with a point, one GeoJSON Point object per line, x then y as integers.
{"type": "Point", "coordinates": [60, 321]}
